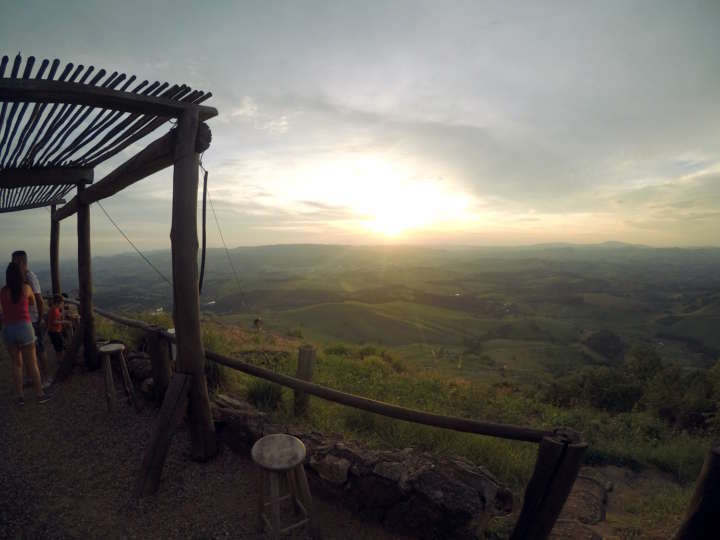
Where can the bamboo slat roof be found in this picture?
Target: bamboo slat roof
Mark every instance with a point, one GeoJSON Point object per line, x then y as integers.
{"type": "Point", "coordinates": [58, 122]}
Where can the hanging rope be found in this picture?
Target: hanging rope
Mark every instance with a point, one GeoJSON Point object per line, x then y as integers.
{"type": "Point", "coordinates": [159, 273]}
{"type": "Point", "coordinates": [227, 251]}
{"type": "Point", "coordinates": [204, 229]}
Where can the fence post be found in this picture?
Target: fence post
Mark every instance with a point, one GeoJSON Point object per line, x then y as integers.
{"type": "Point", "coordinates": [306, 359]}
{"type": "Point", "coordinates": [159, 350]}
{"type": "Point", "coordinates": [702, 517]}
{"type": "Point", "coordinates": [65, 368]}
{"type": "Point", "coordinates": [560, 457]}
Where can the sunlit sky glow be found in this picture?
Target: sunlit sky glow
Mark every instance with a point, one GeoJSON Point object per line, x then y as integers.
{"type": "Point", "coordinates": [414, 122]}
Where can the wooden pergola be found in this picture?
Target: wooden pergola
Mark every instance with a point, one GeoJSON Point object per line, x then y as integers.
{"type": "Point", "coordinates": [57, 123]}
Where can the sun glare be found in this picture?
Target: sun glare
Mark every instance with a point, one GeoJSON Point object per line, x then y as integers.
{"type": "Point", "coordinates": [399, 207]}
{"type": "Point", "coordinates": [386, 195]}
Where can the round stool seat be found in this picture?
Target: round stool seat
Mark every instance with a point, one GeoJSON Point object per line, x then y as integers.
{"type": "Point", "coordinates": [278, 452]}
{"type": "Point", "coordinates": [111, 348]}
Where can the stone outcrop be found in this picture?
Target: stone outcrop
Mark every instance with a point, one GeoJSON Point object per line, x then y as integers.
{"type": "Point", "coordinates": [408, 491]}
{"type": "Point", "coordinates": [139, 366]}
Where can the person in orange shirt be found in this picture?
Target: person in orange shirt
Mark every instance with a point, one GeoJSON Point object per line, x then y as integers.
{"type": "Point", "coordinates": [55, 322]}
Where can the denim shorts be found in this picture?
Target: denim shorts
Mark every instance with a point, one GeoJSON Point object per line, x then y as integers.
{"type": "Point", "coordinates": [19, 334]}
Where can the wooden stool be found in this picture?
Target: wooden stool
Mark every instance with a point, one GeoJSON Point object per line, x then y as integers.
{"type": "Point", "coordinates": [107, 352]}
{"type": "Point", "coordinates": [279, 456]}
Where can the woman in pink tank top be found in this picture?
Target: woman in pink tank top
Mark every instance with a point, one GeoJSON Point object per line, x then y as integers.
{"type": "Point", "coordinates": [17, 331]}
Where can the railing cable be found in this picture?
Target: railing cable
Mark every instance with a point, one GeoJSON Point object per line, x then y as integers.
{"type": "Point", "coordinates": [222, 238]}
{"type": "Point", "coordinates": [159, 273]}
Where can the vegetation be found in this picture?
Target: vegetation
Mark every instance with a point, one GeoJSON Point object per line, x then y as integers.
{"type": "Point", "coordinates": [618, 342]}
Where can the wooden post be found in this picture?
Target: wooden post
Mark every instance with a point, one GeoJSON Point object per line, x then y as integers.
{"type": "Point", "coordinates": [559, 460]}
{"type": "Point", "coordinates": [186, 307]}
{"type": "Point", "coordinates": [172, 411]}
{"type": "Point", "coordinates": [159, 349]}
{"type": "Point", "coordinates": [68, 359]}
{"type": "Point", "coordinates": [54, 251]}
{"type": "Point", "coordinates": [85, 283]}
{"type": "Point", "coordinates": [703, 519]}
{"type": "Point", "coordinates": [306, 359]}
{"type": "Point", "coordinates": [109, 383]}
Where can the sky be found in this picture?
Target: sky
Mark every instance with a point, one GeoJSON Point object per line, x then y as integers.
{"type": "Point", "coordinates": [448, 122]}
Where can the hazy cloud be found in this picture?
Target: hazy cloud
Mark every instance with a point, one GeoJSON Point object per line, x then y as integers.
{"type": "Point", "coordinates": [554, 121]}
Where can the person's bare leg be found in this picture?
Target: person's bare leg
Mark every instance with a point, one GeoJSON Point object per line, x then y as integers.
{"type": "Point", "coordinates": [31, 359]}
{"type": "Point", "coordinates": [17, 369]}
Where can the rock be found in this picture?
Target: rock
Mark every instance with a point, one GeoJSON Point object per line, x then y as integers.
{"type": "Point", "coordinates": [572, 530]}
{"type": "Point", "coordinates": [238, 423]}
{"type": "Point", "coordinates": [139, 366]}
{"type": "Point", "coordinates": [390, 470]}
{"type": "Point", "coordinates": [408, 491]}
{"type": "Point", "coordinates": [331, 468]}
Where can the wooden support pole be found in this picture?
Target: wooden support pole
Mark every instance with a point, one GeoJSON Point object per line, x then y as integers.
{"type": "Point", "coordinates": [109, 382]}
{"type": "Point", "coordinates": [85, 283]}
{"type": "Point", "coordinates": [172, 411]}
{"type": "Point", "coordinates": [703, 519]}
{"type": "Point", "coordinates": [159, 349]}
{"type": "Point", "coordinates": [559, 460]}
{"type": "Point", "coordinates": [68, 361]}
{"type": "Point", "coordinates": [54, 252]}
{"type": "Point", "coordinates": [306, 360]}
{"type": "Point", "coordinates": [186, 307]}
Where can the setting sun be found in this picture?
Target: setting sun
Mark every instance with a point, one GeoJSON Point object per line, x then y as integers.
{"type": "Point", "coordinates": [394, 208]}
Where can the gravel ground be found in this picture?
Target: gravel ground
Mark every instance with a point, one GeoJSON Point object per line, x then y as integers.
{"type": "Point", "coordinates": [67, 469]}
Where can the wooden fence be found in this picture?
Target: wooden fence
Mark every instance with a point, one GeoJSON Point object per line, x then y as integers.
{"type": "Point", "coordinates": [560, 451]}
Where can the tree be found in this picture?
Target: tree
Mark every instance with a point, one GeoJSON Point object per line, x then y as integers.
{"type": "Point", "coordinates": [682, 397]}
{"type": "Point", "coordinates": [642, 362]}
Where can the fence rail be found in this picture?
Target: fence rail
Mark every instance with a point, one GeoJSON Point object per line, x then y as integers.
{"type": "Point", "coordinates": [491, 429]}
{"type": "Point", "coordinates": [560, 451]}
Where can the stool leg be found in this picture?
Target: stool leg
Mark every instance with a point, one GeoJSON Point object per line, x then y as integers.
{"type": "Point", "coordinates": [109, 383]}
{"type": "Point", "coordinates": [305, 496]}
{"type": "Point", "coordinates": [275, 504]}
{"type": "Point", "coordinates": [261, 500]}
{"type": "Point", "coordinates": [294, 491]}
{"type": "Point", "coordinates": [127, 381]}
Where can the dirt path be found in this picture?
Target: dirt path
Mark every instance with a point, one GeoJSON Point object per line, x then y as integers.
{"type": "Point", "coordinates": [67, 469]}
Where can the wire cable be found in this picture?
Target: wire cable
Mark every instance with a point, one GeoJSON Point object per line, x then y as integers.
{"type": "Point", "coordinates": [227, 251]}
{"type": "Point", "coordinates": [159, 273]}
{"type": "Point", "coordinates": [222, 238]}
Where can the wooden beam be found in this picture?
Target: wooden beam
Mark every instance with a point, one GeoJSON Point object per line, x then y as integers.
{"type": "Point", "coordinates": [46, 91]}
{"type": "Point", "coordinates": [85, 284]}
{"type": "Point", "coordinates": [45, 176]}
{"type": "Point", "coordinates": [54, 252]}
{"type": "Point", "coordinates": [31, 206]}
{"type": "Point", "coordinates": [186, 300]}
{"type": "Point", "coordinates": [156, 156]}
{"type": "Point", "coordinates": [171, 414]}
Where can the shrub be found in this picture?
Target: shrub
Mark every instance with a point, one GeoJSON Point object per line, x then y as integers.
{"type": "Point", "coordinates": [339, 350]}
{"type": "Point", "coordinates": [264, 395]}
{"type": "Point", "coordinates": [608, 389]}
{"type": "Point", "coordinates": [599, 386]}
{"type": "Point", "coordinates": [683, 398]}
{"type": "Point", "coordinates": [368, 350]}
{"type": "Point", "coordinates": [295, 332]}
{"type": "Point", "coordinates": [642, 362]}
